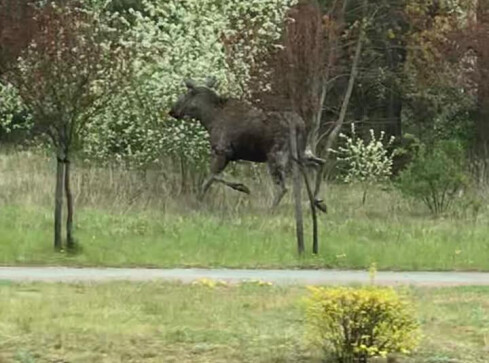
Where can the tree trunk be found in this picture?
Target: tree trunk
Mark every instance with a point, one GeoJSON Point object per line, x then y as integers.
{"type": "Point", "coordinates": [482, 122]}
{"type": "Point", "coordinates": [393, 115]}
{"type": "Point", "coordinates": [312, 203]}
{"type": "Point", "coordinates": [333, 43]}
{"type": "Point", "coordinates": [346, 101]}
{"type": "Point", "coordinates": [58, 208]}
{"type": "Point", "coordinates": [70, 242]}
{"type": "Point", "coordinates": [297, 190]}
{"type": "Point", "coordinates": [482, 117]}
{"type": "Point", "coordinates": [395, 52]}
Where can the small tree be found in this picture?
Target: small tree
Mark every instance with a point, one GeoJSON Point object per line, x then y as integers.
{"type": "Point", "coordinates": [366, 163]}
{"type": "Point", "coordinates": [435, 176]}
{"type": "Point", "coordinates": [65, 76]}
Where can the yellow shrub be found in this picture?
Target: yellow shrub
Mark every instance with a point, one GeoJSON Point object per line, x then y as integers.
{"type": "Point", "coordinates": [355, 324]}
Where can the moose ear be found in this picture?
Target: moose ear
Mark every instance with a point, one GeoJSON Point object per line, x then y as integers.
{"type": "Point", "coordinates": [190, 84]}
{"type": "Point", "coordinates": [211, 82]}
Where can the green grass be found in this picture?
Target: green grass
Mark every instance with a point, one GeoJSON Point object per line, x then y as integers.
{"type": "Point", "coordinates": [123, 322]}
{"type": "Point", "coordinates": [131, 218]}
{"type": "Point", "coordinates": [243, 240]}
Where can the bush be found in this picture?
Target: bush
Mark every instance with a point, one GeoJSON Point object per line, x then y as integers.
{"type": "Point", "coordinates": [355, 324]}
{"type": "Point", "coordinates": [435, 176]}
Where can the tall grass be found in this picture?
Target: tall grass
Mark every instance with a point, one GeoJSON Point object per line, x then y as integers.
{"type": "Point", "coordinates": [133, 218]}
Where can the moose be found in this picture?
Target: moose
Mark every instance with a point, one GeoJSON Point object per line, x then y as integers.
{"type": "Point", "coordinates": [239, 131]}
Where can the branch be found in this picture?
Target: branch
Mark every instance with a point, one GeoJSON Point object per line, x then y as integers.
{"type": "Point", "coordinates": [351, 84]}
{"type": "Point", "coordinates": [346, 101]}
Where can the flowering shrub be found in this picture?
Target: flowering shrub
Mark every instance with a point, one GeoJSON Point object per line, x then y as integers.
{"type": "Point", "coordinates": [355, 324]}
{"type": "Point", "coordinates": [171, 40]}
{"type": "Point", "coordinates": [365, 162]}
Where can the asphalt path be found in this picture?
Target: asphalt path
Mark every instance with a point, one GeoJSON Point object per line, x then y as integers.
{"type": "Point", "coordinates": [279, 277]}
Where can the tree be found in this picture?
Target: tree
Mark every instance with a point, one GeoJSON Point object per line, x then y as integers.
{"type": "Point", "coordinates": [65, 76]}
{"type": "Point", "coordinates": [470, 44]}
{"type": "Point", "coordinates": [330, 135]}
{"type": "Point", "coordinates": [437, 88]}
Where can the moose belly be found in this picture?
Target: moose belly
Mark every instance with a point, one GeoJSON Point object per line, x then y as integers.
{"type": "Point", "coordinates": [250, 151]}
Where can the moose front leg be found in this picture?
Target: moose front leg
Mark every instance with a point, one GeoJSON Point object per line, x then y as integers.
{"type": "Point", "coordinates": [218, 164]}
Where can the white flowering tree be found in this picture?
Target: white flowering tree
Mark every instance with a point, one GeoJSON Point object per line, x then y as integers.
{"type": "Point", "coordinates": [11, 105]}
{"type": "Point", "coordinates": [171, 40]}
{"type": "Point", "coordinates": [364, 162]}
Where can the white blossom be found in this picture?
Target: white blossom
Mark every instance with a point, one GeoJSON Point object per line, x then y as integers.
{"type": "Point", "coordinates": [172, 40]}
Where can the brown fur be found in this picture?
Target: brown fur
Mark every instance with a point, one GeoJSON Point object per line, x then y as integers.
{"type": "Point", "coordinates": [239, 131]}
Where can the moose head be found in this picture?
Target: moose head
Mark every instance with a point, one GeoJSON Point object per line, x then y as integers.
{"type": "Point", "coordinates": [198, 101]}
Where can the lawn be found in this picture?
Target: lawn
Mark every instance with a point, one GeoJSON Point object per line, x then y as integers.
{"type": "Point", "coordinates": [154, 322]}
{"type": "Point", "coordinates": [242, 240]}
{"type": "Point", "coordinates": [132, 218]}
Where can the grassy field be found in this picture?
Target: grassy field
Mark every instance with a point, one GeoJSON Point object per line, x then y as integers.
{"type": "Point", "coordinates": [143, 219]}
{"type": "Point", "coordinates": [124, 322]}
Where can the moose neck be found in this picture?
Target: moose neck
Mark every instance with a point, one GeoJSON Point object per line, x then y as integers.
{"type": "Point", "coordinates": [207, 116]}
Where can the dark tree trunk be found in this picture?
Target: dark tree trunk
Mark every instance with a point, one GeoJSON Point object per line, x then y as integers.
{"type": "Point", "coordinates": [58, 208]}
{"type": "Point", "coordinates": [395, 57]}
{"type": "Point", "coordinates": [482, 116]}
{"type": "Point", "coordinates": [393, 115]}
{"type": "Point", "coordinates": [297, 190]}
{"type": "Point", "coordinates": [312, 203]}
{"type": "Point", "coordinates": [482, 121]}
{"type": "Point", "coordinates": [70, 242]}
{"type": "Point", "coordinates": [333, 135]}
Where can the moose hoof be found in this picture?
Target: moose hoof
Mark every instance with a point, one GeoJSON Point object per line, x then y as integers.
{"type": "Point", "coordinates": [321, 205]}
{"type": "Point", "coordinates": [241, 188]}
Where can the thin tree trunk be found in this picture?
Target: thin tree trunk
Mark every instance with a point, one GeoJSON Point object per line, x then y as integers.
{"type": "Point", "coordinates": [70, 242]}
{"type": "Point", "coordinates": [482, 119]}
{"type": "Point", "coordinates": [58, 208]}
{"type": "Point", "coordinates": [297, 189]}
{"type": "Point", "coordinates": [346, 101]}
{"type": "Point", "coordinates": [364, 196]}
{"type": "Point", "coordinates": [333, 46]}
{"type": "Point", "coordinates": [315, 237]}
{"type": "Point", "coordinates": [318, 117]}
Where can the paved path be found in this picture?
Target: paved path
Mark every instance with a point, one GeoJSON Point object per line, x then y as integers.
{"type": "Point", "coordinates": [281, 277]}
